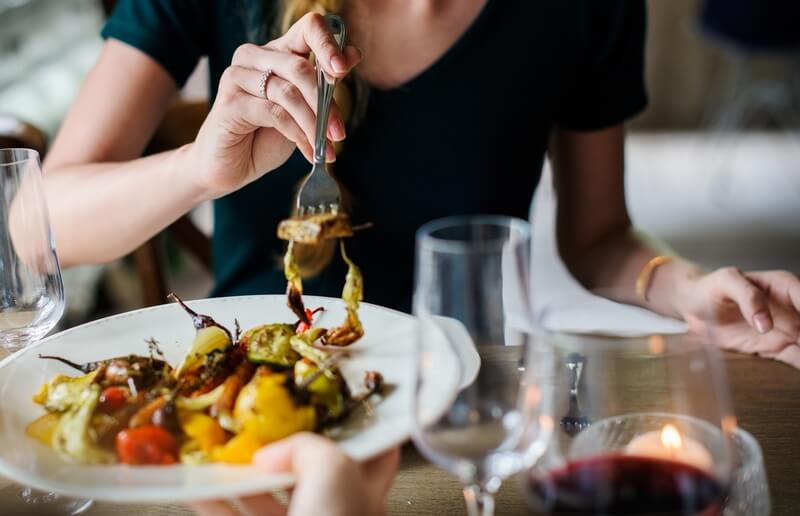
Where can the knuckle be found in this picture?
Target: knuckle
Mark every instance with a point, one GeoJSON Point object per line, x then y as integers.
{"type": "Point", "coordinates": [300, 67]}
{"type": "Point", "coordinates": [313, 19]}
{"type": "Point", "coordinates": [242, 51]}
{"type": "Point", "coordinates": [227, 77]}
{"type": "Point", "coordinates": [277, 112]}
{"type": "Point", "coordinates": [329, 48]}
{"type": "Point", "coordinates": [753, 297]}
{"type": "Point", "coordinates": [731, 272]}
{"type": "Point", "coordinates": [289, 92]}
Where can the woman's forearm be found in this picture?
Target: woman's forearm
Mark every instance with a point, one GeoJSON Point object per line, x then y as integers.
{"type": "Point", "coordinates": [611, 267]}
{"type": "Point", "coordinates": [102, 211]}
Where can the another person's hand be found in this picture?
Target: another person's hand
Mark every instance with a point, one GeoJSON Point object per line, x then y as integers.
{"type": "Point", "coordinates": [752, 312]}
{"type": "Point", "coordinates": [246, 135]}
{"type": "Point", "coordinates": [328, 482]}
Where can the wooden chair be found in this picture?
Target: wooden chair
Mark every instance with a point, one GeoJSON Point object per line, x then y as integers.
{"type": "Point", "coordinates": [179, 127]}
{"type": "Point", "coordinates": [18, 133]}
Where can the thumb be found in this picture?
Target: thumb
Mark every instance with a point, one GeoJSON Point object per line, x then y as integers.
{"type": "Point", "coordinates": [294, 454]}
{"type": "Point", "coordinates": [751, 299]}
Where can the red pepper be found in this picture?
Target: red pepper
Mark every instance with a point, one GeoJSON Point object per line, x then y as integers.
{"type": "Point", "coordinates": [112, 399]}
{"type": "Point", "coordinates": [147, 445]}
{"type": "Point", "coordinates": [301, 327]}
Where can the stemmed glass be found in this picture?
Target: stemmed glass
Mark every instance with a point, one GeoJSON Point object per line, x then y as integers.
{"type": "Point", "coordinates": [656, 434]}
{"type": "Point", "coordinates": [471, 300]}
{"type": "Point", "coordinates": [31, 290]}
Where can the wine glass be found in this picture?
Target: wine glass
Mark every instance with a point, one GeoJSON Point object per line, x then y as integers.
{"type": "Point", "coordinates": [471, 301]}
{"type": "Point", "coordinates": [31, 290]}
{"type": "Point", "coordinates": [658, 432]}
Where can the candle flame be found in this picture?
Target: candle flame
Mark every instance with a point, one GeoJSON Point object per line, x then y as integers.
{"type": "Point", "coordinates": [671, 438]}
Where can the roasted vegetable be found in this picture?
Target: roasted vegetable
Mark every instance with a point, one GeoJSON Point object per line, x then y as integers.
{"type": "Point", "coordinates": [73, 437]}
{"type": "Point", "coordinates": [294, 285]}
{"type": "Point", "coordinates": [43, 428]}
{"type": "Point", "coordinates": [142, 371]}
{"type": "Point", "coordinates": [314, 229]}
{"type": "Point", "coordinates": [200, 402]}
{"type": "Point", "coordinates": [202, 429]}
{"type": "Point", "coordinates": [210, 337]}
{"type": "Point", "coordinates": [113, 399]}
{"type": "Point", "coordinates": [266, 408]}
{"type": "Point", "coordinates": [302, 344]}
{"type": "Point", "coordinates": [270, 344]}
{"type": "Point", "coordinates": [231, 388]}
{"type": "Point", "coordinates": [147, 445]}
{"type": "Point", "coordinates": [324, 392]}
{"type": "Point", "coordinates": [352, 294]}
{"type": "Point", "coordinates": [63, 392]}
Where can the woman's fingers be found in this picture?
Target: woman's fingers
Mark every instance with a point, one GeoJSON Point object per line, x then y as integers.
{"type": "Point", "coordinates": [379, 472]}
{"type": "Point", "coordinates": [214, 508]}
{"type": "Point", "coordinates": [312, 34]}
{"type": "Point", "coordinates": [292, 68]}
{"type": "Point", "coordinates": [261, 505]}
{"type": "Point", "coordinates": [783, 285]}
{"type": "Point", "coordinates": [259, 112]}
{"type": "Point", "coordinates": [751, 299]}
{"type": "Point", "coordinates": [790, 355]}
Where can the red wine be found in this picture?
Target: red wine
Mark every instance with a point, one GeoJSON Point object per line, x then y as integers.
{"type": "Point", "coordinates": [623, 485]}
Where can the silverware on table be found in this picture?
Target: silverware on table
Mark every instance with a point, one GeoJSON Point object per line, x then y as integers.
{"type": "Point", "coordinates": [574, 421]}
{"type": "Point", "coordinates": [319, 192]}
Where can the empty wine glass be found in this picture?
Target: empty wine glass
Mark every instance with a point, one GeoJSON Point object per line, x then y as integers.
{"type": "Point", "coordinates": [31, 290]}
{"type": "Point", "coordinates": [659, 429]}
{"type": "Point", "coordinates": [471, 301]}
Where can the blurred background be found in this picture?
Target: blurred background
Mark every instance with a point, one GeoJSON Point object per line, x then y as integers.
{"type": "Point", "coordinates": [713, 163]}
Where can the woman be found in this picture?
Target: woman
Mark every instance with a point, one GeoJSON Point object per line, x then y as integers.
{"type": "Point", "coordinates": [451, 110]}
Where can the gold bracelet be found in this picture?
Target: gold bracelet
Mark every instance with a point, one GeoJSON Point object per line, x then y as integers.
{"type": "Point", "coordinates": [646, 274]}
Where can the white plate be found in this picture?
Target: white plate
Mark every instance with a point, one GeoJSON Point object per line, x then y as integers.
{"type": "Point", "coordinates": [387, 347]}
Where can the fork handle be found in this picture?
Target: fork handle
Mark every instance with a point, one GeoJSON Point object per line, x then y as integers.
{"type": "Point", "coordinates": [325, 87]}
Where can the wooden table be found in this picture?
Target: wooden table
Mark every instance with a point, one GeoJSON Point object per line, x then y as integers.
{"type": "Point", "coordinates": [767, 402]}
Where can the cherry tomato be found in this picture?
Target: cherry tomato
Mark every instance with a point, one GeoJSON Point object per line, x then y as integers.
{"type": "Point", "coordinates": [147, 445]}
{"type": "Point", "coordinates": [112, 399]}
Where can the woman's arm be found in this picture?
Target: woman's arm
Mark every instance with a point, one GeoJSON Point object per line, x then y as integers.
{"type": "Point", "coordinates": [756, 312]}
{"type": "Point", "coordinates": [103, 202]}
{"type": "Point", "coordinates": [595, 236]}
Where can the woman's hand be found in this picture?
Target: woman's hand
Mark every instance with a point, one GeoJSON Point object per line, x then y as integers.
{"type": "Point", "coordinates": [328, 482]}
{"type": "Point", "coordinates": [246, 135]}
{"type": "Point", "coordinates": [752, 312]}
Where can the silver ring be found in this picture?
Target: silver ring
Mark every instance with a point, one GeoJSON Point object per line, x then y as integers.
{"type": "Point", "coordinates": [262, 84]}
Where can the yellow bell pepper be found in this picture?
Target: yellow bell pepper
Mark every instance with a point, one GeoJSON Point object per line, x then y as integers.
{"type": "Point", "coordinates": [266, 412]}
{"type": "Point", "coordinates": [238, 450]}
{"type": "Point", "coordinates": [42, 428]}
{"type": "Point", "coordinates": [203, 429]}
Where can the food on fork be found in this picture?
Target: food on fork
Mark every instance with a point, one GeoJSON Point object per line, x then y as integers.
{"type": "Point", "coordinates": [313, 229]}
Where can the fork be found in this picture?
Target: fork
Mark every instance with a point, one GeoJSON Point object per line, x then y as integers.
{"type": "Point", "coordinates": [574, 421]}
{"type": "Point", "coordinates": [319, 192]}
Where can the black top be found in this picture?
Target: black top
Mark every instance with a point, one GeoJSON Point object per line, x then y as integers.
{"type": "Point", "coordinates": [465, 136]}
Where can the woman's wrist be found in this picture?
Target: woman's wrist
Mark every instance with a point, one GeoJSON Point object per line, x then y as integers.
{"type": "Point", "coordinates": [185, 165]}
{"type": "Point", "coordinates": [671, 287]}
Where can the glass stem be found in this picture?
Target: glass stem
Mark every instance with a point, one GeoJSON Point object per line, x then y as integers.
{"type": "Point", "coordinates": [480, 501]}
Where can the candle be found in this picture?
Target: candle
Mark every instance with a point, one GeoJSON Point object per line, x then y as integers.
{"type": "Point", "coordinates": [669, 444]}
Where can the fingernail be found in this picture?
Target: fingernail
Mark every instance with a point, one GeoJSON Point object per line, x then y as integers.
{"type": "Point", "coordinates": [330, 154]}
{"type": "Point", "coordinates": [337, 130]}
{"type": "Point", "coordinates": [338, 64]}
{"type": "Point", "coordinates": [761, 322]}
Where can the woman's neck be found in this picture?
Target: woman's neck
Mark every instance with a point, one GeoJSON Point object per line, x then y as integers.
{"type": "Point", "coordinates": [400, 39]}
